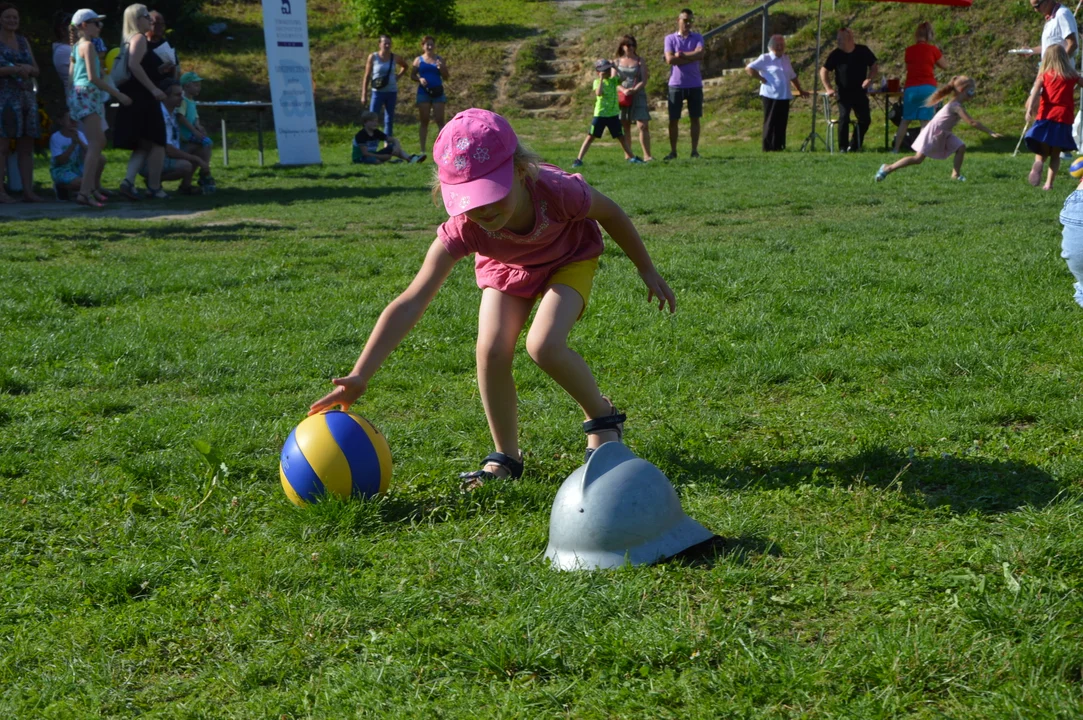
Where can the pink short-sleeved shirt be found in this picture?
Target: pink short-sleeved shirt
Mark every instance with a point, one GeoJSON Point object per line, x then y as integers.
{"type": "Point", "coordinates": [521, 265]}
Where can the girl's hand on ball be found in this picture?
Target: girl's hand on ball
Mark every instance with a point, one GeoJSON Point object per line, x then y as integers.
{"type": "Point", "coordinates": [657, 289]}
{"type": "Point", "coordinates": [348, 390]}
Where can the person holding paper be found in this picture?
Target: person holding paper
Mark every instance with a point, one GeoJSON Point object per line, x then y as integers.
{"type": "Point", "coordinates": [140, 126]}
{"type": "Point", "coordinates": [157, 44]}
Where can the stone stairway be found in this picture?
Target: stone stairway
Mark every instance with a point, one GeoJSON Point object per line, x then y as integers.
{"type": "Point", "coordinates": [561, 74]}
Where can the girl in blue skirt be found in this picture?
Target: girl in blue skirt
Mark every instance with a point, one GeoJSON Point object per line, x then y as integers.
{"type": "Point", "coordinates": [1052, 101]}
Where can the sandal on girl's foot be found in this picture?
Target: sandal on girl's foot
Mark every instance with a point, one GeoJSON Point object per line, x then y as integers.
{"type": "Point", "coordinates": [157, 193]}
{"type": "Point", "coordinates": [88, 200]}
{"type": "Point", "coordinates": [99, 196]}
{"type": "Point", "coordinates": [473, 480]}
{"type": "Point", "coordinates": [614, 421]}
{"type": "Point", "coordinates": [127, 189]}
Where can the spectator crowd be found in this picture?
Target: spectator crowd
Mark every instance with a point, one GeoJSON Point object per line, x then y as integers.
{"type": "Point", "coordinates": [157, 118]}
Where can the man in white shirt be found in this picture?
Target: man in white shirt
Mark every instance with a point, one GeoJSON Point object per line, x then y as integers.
{"type": "Point", "coordinates": [1060, 28]}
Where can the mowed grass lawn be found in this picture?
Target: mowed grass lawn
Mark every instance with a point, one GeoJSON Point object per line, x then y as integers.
{"type": "Point", "coordinates": [871, 391]}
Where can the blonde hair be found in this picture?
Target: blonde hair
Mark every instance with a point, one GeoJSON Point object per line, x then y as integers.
{"type": "Point", "coordinates": [1055, 60]}
{"type": "Point", "coordinates": [956, 85]}
{"type": "Point", "coordinates": [924, 32]}
{"type": "Point", "coordinates": [527, 164]}
{"type": "Point", "coordinates": [131, 21]}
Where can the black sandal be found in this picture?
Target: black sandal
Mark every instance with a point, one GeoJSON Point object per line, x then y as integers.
{"type": "Point", "coordinates": [613, 421]}
{"type": "Point", "coordinates": [474, 480]}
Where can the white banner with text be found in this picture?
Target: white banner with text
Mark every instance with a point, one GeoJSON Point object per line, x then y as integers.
{"type": "Point", "coordinates": [285, 30]}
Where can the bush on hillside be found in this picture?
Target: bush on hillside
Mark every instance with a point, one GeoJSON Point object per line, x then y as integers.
{"type": "Point", "coordinates": [393, 16]}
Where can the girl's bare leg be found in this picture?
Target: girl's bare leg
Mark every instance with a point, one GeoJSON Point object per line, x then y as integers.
{"type": "Point", "coordinates": [960, 155]}
{"type": "Point", "coordinates": [500, 320]}
{"type": "Point", "coordinates": [1054, 168]}
{"type": "Point", "coordinates": [92, 125]}
{"type": "Point", "coordinates": [1035, 174]}
{"type": "Point", "coordinates": [547, 343]}
{"type": "Point", "coordinates": [645, 138]}
{"type": "Point", "coordinates": [905, 162]}
{"type": "Point", "coordinates": [626, 144]}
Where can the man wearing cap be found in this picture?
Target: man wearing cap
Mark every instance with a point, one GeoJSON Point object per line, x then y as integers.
{"type": "Point", "coordinates": [606, 113]}
{"type": "Point", "coordinates": [194, 139]}
{"type": "Point", "coordinates": [684, 50]}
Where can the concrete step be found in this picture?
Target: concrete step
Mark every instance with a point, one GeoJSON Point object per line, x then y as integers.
{"type": "Point", "coordinates": [545, 113]}
{"type": "Point", "coordinates": [561, 81]}
{"type": "Point", "coordinates": [544, 99]}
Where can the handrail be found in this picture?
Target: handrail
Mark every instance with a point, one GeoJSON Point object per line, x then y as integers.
{"type": "Point", "coordinates": [761, 10]}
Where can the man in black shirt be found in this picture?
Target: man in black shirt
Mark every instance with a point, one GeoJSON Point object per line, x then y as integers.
{"type": "Point", "coordinates": [855, 68]}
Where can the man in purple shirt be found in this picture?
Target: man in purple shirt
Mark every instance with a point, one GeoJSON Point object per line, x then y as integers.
{"type": "Point", "coordinates": [684, 49]}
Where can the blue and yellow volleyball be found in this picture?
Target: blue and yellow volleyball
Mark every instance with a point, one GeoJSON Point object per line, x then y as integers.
{"type": "Point", "coordinates": [337, 453]}
{"type": "Point", "coordinates": [1076, 168]}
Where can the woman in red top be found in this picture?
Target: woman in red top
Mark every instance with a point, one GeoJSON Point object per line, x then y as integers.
{"type": "Point", "coordinates": [1052, 99]}
{"type": "Point", "coordinates": [922, 59]}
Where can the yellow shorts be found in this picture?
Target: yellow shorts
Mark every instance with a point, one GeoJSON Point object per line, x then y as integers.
{"type": "Point", "coordinates": [579, 276]}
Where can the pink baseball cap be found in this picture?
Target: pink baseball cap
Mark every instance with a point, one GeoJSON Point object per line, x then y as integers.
{"type": "Point", "coordinates": [475, 155]}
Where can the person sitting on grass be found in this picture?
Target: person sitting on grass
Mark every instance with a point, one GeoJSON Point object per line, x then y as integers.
{"type": "Point", "coordinates": [178, 165]}
{"type": "Point", "coordinates": [68, 148]}
{"type": "Point", "coordinates": [606, 113]}
{"type": "Point", "coordinates": [937, 139]}
{"type": "Point", "coordinates": [194, 138]}
{"type": "Point", "coordinates": [366, 144]}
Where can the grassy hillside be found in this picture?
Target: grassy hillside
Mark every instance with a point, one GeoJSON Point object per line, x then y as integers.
{"type": "Point", "coordinates": [483, 48]}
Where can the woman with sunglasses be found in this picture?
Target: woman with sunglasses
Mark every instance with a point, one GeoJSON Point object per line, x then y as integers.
{"type": "Point", "coordinates": [18, 103]}
{"type": "Point", "coordinates": [632, 93]}
{"type": "Point", "coordinates": [140, 127]}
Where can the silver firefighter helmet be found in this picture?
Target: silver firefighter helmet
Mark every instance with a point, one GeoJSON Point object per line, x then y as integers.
{"type": "Point", "coordinates": [618, 508]}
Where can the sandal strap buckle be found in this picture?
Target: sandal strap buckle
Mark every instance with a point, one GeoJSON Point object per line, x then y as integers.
{"type": "Point", "coordinates": [606, 422]}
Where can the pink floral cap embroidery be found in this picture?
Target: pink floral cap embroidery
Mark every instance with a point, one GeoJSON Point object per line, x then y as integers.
{"type": "Point", "coordinates": [476, 166]}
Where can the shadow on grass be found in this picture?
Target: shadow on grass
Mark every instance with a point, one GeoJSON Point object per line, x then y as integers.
{"type": "Point", "coordinates": [709, 552]}
{"type": "Point", "coordinates": [305, 193]}
{"type": "Point", "coordinates": [963, 484]}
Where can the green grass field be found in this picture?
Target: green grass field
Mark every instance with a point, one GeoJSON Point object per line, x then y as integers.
{"type": "Point", "coordinates": [871, 391]}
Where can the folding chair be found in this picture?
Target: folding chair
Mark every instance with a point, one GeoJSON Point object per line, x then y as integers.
{"type": "Point", "coordinates": [832, 125]}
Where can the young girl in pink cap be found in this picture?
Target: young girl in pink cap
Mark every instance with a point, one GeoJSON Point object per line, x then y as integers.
{"type": "Point", "coordinates": [535, 233]}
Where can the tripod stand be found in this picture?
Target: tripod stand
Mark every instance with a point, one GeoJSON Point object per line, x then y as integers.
{"type": "Point", "coordinates": [810, 141]}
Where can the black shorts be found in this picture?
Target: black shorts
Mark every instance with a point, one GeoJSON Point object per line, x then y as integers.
{"type": "Point", "coordinates": [599, 124]}
{"type": "Point", "coordinates": [677, 96]}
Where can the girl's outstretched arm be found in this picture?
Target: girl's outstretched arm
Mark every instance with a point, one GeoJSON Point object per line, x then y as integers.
{"type": "Point", "coordinates": [616, 222]}
{"type": "Point", "coordinates": [397, 319]}
{"type": "Point", "coordinates": [974, 123]}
